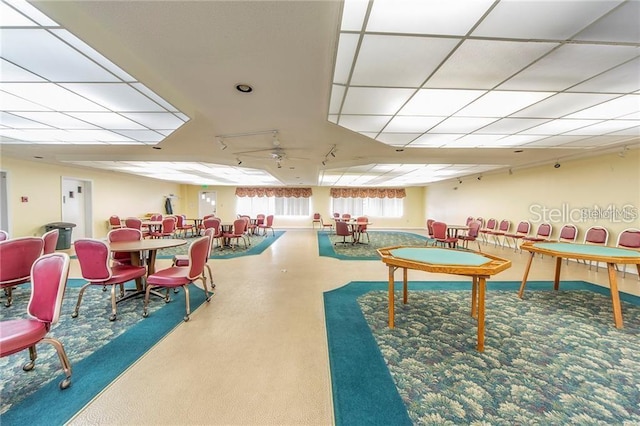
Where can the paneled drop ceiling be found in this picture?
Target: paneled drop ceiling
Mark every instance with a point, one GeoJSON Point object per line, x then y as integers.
{"type": "Point", "coordinates": [377, 93]}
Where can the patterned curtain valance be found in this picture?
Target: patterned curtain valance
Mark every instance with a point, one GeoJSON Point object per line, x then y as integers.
{"type": "Point", "coordinates": [368, 193]}
{"type": "Point", "coordinates": [274, 192]}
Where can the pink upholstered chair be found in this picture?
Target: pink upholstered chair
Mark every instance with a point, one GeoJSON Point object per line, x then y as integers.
{"type": "Point", "coordinates": [543, 233]}
{"type": "Point", "coordinates": [115, 222]}
{"type": "Point", "coordinates": [343, 230]}
{"type": "Point", "coordinates": [50, 240]}
{"type": "Point", "coordinates": [440, 234]}
{"type": "Point", "coordinates": [630, 239]}
{"type": "Point", "coordinates": [215, 223]}
{"type": "Point", "coordinates": [236, 233]}
{"type": "Point", "coordinates": [183, 259]}
{"type": "Point", "coordinates": [17, 255]}
{"type": "Point", "coordinates": [181, 276]}
{"type": "Point", "coordinates": [596, 235]}
{"type": "Point", "coordinates": [48, 278]}
{"type": "Point", "coordinates": [267, 225]}
{"type": "Point", "coordinates": [182, 227]}
{"type": "Point", "coordinates": [123, 234]}
{"type": "Point", "coordinates": [168, 228]}
{"type": "Point", "coordinates": [362, 223]}
{"type": "Point", "coordinates": [568, 233]}
{"type": "Point", "coordinates": [522, 230]}
{"type": "Point", "coordinates": [327, 226]}
{"type": "Point", "coordinates": [430, 230]}
{"type": "Point", "coordinates": [491, 226]}
{"type": "Point", "coordinates": [93, 256]}
{"type": "Point", "coordinates": [4, 235]}
{"type": "Point", "coordinates": [135, 223]}
{"type": "Point", "coordinates": [501, 231]}
{"type": "Point", "coordinates": [316, 219]}
{"type": "Point", "coordinates": [471, 235]}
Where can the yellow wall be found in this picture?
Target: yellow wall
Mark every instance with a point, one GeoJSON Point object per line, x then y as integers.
{"type": "Point", "coordinates": [602, 181]}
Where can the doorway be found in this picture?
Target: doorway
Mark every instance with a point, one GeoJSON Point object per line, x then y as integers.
{"type": "Point", "coordinates": [4, 202]}
{"type": "Point", "coordinates": [207, 203]}
{"type": "Point", "coordinates": [77, 206]}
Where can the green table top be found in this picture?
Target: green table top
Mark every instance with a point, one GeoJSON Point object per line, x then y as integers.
{"type": "Point", "coordinates": [440, 256]}
{"type": "Point", "coordinates": [587, 249]}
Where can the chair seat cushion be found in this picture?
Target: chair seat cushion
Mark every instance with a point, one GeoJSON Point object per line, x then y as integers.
{"type": "Point", "coordinates": [171, 277]}
{"type": "Point", "coordinates": [16, 335]}
{"type": "Point", "coordinates": [122, 273]}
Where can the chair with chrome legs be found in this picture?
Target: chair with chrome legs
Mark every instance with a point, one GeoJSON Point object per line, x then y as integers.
{"type": "Point", "coordinates": [182, 276]}
{"type": "Point", "coordinates": [48, 282]}
{"type": "Point", "coordinates": [183, 259]}
{"type": "Point", "coordinates": [16, 258]}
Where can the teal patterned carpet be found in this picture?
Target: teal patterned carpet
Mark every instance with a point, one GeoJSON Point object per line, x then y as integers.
{"type": "Point", "coordinates": [553, 358]}
{"type": "Point", "coordinates": [99, 350]}
{"type": "Point", "coordinates": [377, 239]}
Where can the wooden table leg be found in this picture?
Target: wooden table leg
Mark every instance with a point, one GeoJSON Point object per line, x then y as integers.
{"type": "Point", "coordinates": [404, 286]}
{"type": "Point", "coordinates": [474, 298]}
{"type": "Point", "coordinates": [526, 274]}
{"type": "Point", "coordinates": [615, 296]}
{"type": "Point", "coordinates": [556, 281]}
{"type": "Point", "coordinates": [391, 298]}
{"type": "Point", "coordinates": [482, 283]}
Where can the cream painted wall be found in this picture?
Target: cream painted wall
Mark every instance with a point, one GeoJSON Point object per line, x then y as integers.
{"type": "Point", "coordinates": [602, 181]}
{"type": "Point", "coordinates": [113, 193]}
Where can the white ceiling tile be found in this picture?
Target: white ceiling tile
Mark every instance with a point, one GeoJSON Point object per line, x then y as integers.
{"type": "Point", "coordinates": [373, 100]}
{"type": "Point", "coordinates": [605, 127]}
{"type": "Point", "coordinates": [9, 17]}
{"type": "Point", "coordinates": [353, 13]}
{"type": "Point", "coordinates": [155, 120]}
{"type": "Point", "coordinates": [51, 96]}
{"type": "Point", "coordinates": [42, 53]}
{"type": "Point", "coordinates": [364, 123]}
{"type": "Point", "coordinates": [553, 141]}
{"type": "Point", "coordinates": [398, 61]}
{"type": "Point", "coordinates": [397, 138]}
{"type": "Point", "coordinates": [483, 64]}
{"type": "Point", "coordinates": [56, 119]}
{"type": "Point", "coordinates": [12, 73]}
{"type": "Point", "coordinates": [563, 104]}
{"type": "Point", "coordinates": [33, 13]}
{"type": "Point", "coordinates": [569, 65]}
{"type": "Point", "coordinates": [109, 120]}
{"type": "Point", "coordinates": [619, 107]}
{"type": "Point", "coordinates": [519, 140]}
{"type": "Point", "coordinates": [335, 103]}
{"type": "Point", "coordinates": [434, 140]}
{"type": "Point", "coordinates": [156, 98]}
{"type": "Point", "coordinates": [11, 121]}
{"type": "Point", "coordinates": [551, 20]}
{"type": "Point", "coordinates": [439, 102]}
{"type": "Point", "coordinates": [344, 57]}
{"type": "Point", "coordinates": [622, 79]}
{"type": "Point", "coordinates": [596, 141]}
{"type": "Point", "coordinates": [473, 141]}
{"type": "Point", "coordinates": [333, 118]}
{"type": "Point", "coordinates": [461, 125]}
{"type": "Point", "coordinates": [142, 135]}
{"type": "Point", "coordinates": [119, 97]}
{"type": "Point", "coordinates": [421, 17]}
{"type": "Point", "coordinates": [631, 131]}
{"type": "Point", "coordinates": [621, 25]}
{"type": "Point", "coordinates": [501, 103]}
{"type": "Point", "coordinates": [508, 126]}
{"type": "Point", "coordinates": [87, 136]}
{"type": "Point", "coordinates": [409, 124]}
{"type": "Point", "coordinates": [559, 126]}
{"type": "Point", "coordinates": [11, 102]}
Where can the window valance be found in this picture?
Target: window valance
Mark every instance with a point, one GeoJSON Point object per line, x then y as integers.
{"type": "Point", "coordinates": [273, 192]}
{"type": "Point", "coordinates": [368, 193]}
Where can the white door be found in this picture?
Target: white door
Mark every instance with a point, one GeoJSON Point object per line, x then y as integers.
{"type": "Point", "coordinates": [207, 203]}
{"type": "Point", "coordinates": [76, 207]}
{"type": "Point", "coordinates": [4, 202]}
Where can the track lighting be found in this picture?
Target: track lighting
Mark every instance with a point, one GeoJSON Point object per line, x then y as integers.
{"type": "Point", "coordinates": [239, 161]}
{"type": "Point", "coordinates": [324, 163]}
{"type": "Point", "coordinates": [459, 181]}
{"type": "Point", "coordinates": [480, 177]}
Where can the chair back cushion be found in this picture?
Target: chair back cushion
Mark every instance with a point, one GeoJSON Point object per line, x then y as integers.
{"type": "Point", "coordinates": [48, 281]}
{"type": "Point", "coordinates": [629, 238]}
{"type": "Point", "coordinates": [16, 258]}
{"type": "Point", "coordinates": [114, 221]}
{"type": "Point", "coordinates": [123, 234]}
{"type": "Point", "coordinates": [198, 255]}
{"type": "Point", "coordinates": [568, 233]}
{"type": "Point", "coordinates": [491, 224]}
{"type": "Point", "coordinates": [93, 256]}
{"type": "Point", "coordinates": [50, 240]}
{"type": "Point", "coordinates": [596, 235]}
{"type": "Point", "coordinates": [544, 230]}
{"type": "Point", "coordinates": [439, 230]}
{"type": "Point", "coordinates": [342, 229]}
{"type": "Point", "coordinates": [523, 228]}
{"type": "Point", "coordinates": [133, 222]}
{"type": "Point", "coordinates": [239, 226]}
{"type": "Point", "coordinates": [474, 228]}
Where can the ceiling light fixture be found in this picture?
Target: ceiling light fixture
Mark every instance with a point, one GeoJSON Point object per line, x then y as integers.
{"type": "Point", "coordinates": [324, 163]}
{"type": "Point", "coordinates": [557, 165]}
{"type": "Point", "coordinates": [244, 88]}
{"type": "Point", "coordinates": [156, 147]}
{"type": "Point", "coordinates": [480, 177]}
{"type": "Point", "coordinates": [239, 161]}
{"type": "Point", "coordinates": [459, 181]}
{"type": "Point", "coordinates": [332, 153]}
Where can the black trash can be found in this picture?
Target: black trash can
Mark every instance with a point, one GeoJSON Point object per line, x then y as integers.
{"type": "Point", "coordinates": [64, 233]}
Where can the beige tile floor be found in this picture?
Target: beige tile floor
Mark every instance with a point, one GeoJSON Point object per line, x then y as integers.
{"type": "Point", "coordinates": [257, 354]}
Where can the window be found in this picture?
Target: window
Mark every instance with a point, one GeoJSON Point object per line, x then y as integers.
{"type": "Point", "coordinates": [373, 207]}
{"type": "Point", "coordinates": [278, 206]}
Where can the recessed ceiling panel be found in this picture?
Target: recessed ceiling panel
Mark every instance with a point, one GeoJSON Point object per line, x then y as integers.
{"type": "Point", "coordinates": [57, 120]}
{"type": "Point", "coordinates": [344, 58]}
{"type": "Point", "coordinates": [553, 141]}
{"type": "Point", "coordinates": [11, 73]}
{"type": "Point", "coordinates": [364, 123]}
{"type": "Point", "coordinates": [353, 14]}
{"type": "Point", "coordinates": [17, 122]}
{"type": "Point", "coordinates": [509, 126]}
{"type": "Point", "coordinates": [569, 65]}
{"type": "Point", "coordinates": [157, 120]}
{"type": "Point", "coordinates": [605, 127]}
{"type": "Point", "coordinates": [622, 79]}
{"type": "Point", "coordinates": [335, 103]}
{"type": "Point", "coordinates": [47, 56]}
{"type": "Point", "coordinates": [483, 64]}
{"type": "Point", "coordinates": [119, 97]}
{"type": "Point", "coordinates": [531, 19]}
{"type": "Point", "coordinates": [371, 100]}
{"type": "Point", "coordinates": [51, 96]}
{"type": "Point", "coordinates": [109, 120]}
{"type": "Point", "coordinates": [408, 124]}
{"type": "Point", "coordinates": [9, 17]}
{"type": "Point", "coordinates": [142, 135]}
{"type": "Point", "coordinates": [614, 108]}
{"type": "Point", "coordinates": [433, 140]}
{"type": "Point", "coordinates": [439, 102]}
{"type": "Point", "coordinates": [501, 103]}
{"type": "Point", "coordinates": [397, 139]}
{"type": "Point", "coordinates": [396, 61]}
{"type": "Point", "coordinates": [562, 104]}
{"type": "Point", "coordinates": [426, 17]}
{"type": "Point", "coordinates": [473, 141]}
{"type": "Point", "coordinates": [621, 25]}
{"type": "Point", "coordinates": [461, 125]}
{"type": "Point", "coordinates": [556, 127]}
